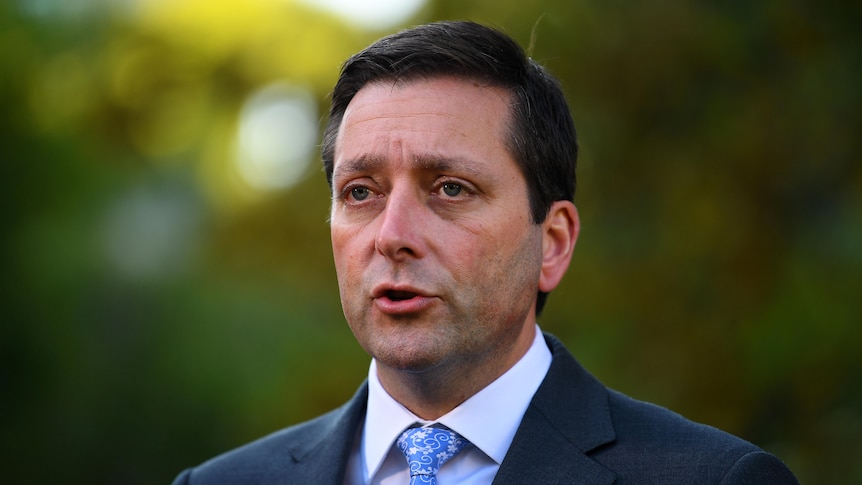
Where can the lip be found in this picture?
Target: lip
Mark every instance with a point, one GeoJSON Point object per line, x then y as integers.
{"type": "Point", "coordinates": [382, 298]}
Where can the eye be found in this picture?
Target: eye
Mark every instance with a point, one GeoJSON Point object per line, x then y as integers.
{"type": "Point", "coordinates": [451, 189]}
{"type": "Point", "coordinates": [360, 193]}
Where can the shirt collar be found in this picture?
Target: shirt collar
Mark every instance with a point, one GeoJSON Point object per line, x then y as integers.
{"type": "Point", "coordinates": [488, 419]}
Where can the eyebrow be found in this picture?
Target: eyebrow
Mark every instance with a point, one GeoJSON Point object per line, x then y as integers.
{"type": "Point", "coordinates": [428, 162]}
{"type": "Point", "coordinates": [352, 167]}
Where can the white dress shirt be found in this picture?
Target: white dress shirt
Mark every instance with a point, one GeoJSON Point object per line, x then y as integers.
{"type": "Point", "coordinates": [488, 419]}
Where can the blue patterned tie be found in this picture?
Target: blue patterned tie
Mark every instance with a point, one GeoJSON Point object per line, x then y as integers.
{"type": "Point", "coordinates": [426, 450]}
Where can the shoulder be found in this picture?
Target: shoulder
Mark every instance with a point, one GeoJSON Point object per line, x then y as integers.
{"type": "Point", "coordinates": [642, 442]}
{"type": "Point", "coordinates": [656, 445]}
{"type": "Point", "coordinates": [290, 454]}
{"type": "Point", "coordinates": [261, 461]}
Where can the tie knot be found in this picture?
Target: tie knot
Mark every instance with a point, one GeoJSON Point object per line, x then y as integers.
{"type": "Point", "coordinates": [427, 449]}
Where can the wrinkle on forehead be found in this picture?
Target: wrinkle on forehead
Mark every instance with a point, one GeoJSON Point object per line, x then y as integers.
{"type": "Point", "coordinates": [396, 86]}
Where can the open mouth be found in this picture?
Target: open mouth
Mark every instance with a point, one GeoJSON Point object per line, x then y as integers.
{"type": "Point", "coordinates": [399, 295]}
{"type": "Point", "coordinates": [401, 301]}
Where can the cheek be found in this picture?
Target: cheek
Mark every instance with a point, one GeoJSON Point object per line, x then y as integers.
{"type": "Point", "coordinates": [345, 245]}
{"type": "Point", "coordinates": [495, 266]}
{"type": "Point", "coordinates": [351, 257]}
{"type": "Point", "coordinates": [517, 263]}
{"type": "Point", "coordinates": [343, 267]}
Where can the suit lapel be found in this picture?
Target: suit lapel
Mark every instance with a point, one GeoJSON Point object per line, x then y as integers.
{"type": "Point", "coordinates": [323, 451]}
{"type": "Point", "coordinates": [567, 418]}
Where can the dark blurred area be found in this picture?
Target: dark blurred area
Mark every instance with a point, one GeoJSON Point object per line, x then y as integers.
{"type": "Point", "coordinates": [167, 285]}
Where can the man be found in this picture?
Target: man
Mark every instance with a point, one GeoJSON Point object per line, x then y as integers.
{"type": "Point", "coordinates": [451, 158]}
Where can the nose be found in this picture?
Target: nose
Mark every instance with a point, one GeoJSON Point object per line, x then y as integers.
{"type": "Point", "coordinates": [401, 233]}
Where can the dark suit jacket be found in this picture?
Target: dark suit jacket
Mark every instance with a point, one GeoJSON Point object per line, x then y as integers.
{"type": "Point", "coordinates": [574, 431]}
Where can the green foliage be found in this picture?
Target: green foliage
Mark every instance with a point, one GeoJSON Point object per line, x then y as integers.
{"type": "Point", "coordinates": [159, 310]}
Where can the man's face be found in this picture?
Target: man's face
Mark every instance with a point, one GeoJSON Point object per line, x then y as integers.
{"type": "Point", "coordinates": [438, 260]}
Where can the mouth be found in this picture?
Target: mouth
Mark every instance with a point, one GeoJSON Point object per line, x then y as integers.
{"type": "Point", "coordinates": [399, 295]}
{"type": "Point", "coordinates": [401, 300]}
{"type": "Point", "coordinates": [396, 292]}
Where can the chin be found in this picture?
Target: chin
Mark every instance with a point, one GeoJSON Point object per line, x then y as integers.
{"type": "Point", "coordinates": [410, 363]}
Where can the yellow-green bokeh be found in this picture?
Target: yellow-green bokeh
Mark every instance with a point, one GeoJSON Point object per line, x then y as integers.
{"type": "Point", "coordinates": [159, 307]}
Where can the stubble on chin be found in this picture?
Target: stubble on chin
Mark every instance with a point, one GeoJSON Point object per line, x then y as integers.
{"type": "Point", "coordinates": [403, 345]}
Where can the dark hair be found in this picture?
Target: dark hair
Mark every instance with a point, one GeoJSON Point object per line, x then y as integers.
{"type": "Point", "coordinates": [542, 136]}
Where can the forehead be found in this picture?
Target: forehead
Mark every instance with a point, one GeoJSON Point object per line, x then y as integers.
{"type": "Point", "coordinates": [451, 117]}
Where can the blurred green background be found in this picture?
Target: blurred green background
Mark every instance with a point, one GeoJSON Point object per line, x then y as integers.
{"type": "Point", "coordinates": [167, 285]}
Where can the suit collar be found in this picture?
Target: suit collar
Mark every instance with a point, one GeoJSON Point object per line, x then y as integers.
{"type": "Point", "coordinates": [326, 442]}
{"type": "Point", "coordinates": [567, 418]}
{"type": "Point", "coordinates": [575, 401]}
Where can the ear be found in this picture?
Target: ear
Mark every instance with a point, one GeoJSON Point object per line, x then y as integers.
{"type": "Point", "coordinates": [559, 233]}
